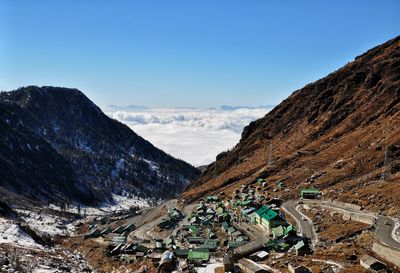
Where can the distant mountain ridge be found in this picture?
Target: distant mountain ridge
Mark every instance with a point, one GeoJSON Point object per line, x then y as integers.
{"type": "Point", "coordinates": [58, 144]}
{"type": "Point", "coordinates": [138, 108]}
{"type": "Point", "coordinates": [233, 108]}
{"type": "Point", "coordinates": [131, 107]}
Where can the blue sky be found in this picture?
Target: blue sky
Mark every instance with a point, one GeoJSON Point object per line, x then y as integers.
{"type": "Point", "coordinates": [186, 53]}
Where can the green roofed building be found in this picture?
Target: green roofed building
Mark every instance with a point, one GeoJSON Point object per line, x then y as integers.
{"type": "Point", "coordinates": [119, 229]}
{"type": "Point", "coordinates": [165, 223]}
{"type": "Point", "coordinates": [302, 248]}
{"type": "Point", "coordinates": [223, 217]}
{"type": "Point", "coordinates": [241, 239]}
{"type": "Point", "coordinates": [199, 255]}
{"type": "Point", "coordinates": [219, 210]}
{"type": "Point", "coordinates": [262, 210]}
{"type": "Point", "coordinates": [159, 246]}
{"type": "Point", "coordinates": [235, 244]}
{"type": "Point", "coordinates": [281, 231]}
{"type": "Point", "coordinates": [268, 218]}
{"type": "Point", "coordinates": [231, 230]}
{"type": "Point", "coordinates": [129, 228]}
{"type": "Point", "coordinates": [181, 253]}
{"type": "Point", "coordinates": [210, 245]}
{"type": "Point", "coordinates": [106, 231]}
{"type": "Point", "coordinates": [289, 230]}
{"type": "Point", "coordinates": [225, 226]}
{"type": "Point", "coordinates": [246, 202]}
{"type": "Point", "coordinates": [283, 247]}
{"type": "Point", "coordinates": [280, 185]}
{"type": "Point", "coordinates": [93, 234]}
{"type": "Point", "coordinates": [253, 218]}
{"type": "Point", "coordinates": [310, 193]}
{"type": "Point", "coordinates": [277, 232]}
{"type": "Point", "coordinates": [195, 240]}
{"type": "Point", "coordinates": [212, 198]}
{"type": "Point", "coordinates": [270, 245]}
{"type": "Point", "coordinates": [194, 230]}
{"type": "Point", "coordinates": [208, 220]}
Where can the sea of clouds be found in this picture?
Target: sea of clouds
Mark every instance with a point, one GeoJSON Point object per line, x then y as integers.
{"type": "Point", "coordinates": [192, 134]}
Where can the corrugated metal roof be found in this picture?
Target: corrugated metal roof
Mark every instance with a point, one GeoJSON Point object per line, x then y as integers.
{"type": "Point", "coordinates": [197, 254]}
{"type": "Point", "coordinates": [310, 190]}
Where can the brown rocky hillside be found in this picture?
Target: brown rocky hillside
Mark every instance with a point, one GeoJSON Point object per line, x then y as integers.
{"type": "Point", "coordinates": [332, 134]}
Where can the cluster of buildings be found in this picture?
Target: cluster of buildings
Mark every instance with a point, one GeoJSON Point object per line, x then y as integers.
{"type": "Point", "coordinates": [118, 243]}
{"type": "Point", "coordinates": [173, 217]}
{"type": "Point", "coordinates": [256, 210]}
{"type": "Point", "coordinates": [214, 229]}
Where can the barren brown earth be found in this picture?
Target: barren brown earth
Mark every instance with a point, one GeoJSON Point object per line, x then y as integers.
{"type": "Point", "coordinates": [94, 252]}
{"type": "Point", "coordinates": [340, 134]}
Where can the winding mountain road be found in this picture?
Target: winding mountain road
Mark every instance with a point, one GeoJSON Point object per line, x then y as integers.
{"type": "Point", "coordinates": [385, 231]}
{"type": "Point", "coordinates": [304, 224]}
{"type": "Point", "coordinates": [385, 227]}
{"type": "Point", "coordinates": [259, 239]}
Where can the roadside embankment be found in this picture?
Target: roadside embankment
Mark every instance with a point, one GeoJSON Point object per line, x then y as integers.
{"type": "Point", "coordinates": [389, 254]}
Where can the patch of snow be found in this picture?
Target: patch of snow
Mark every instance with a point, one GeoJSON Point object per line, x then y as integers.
{"type": "Point", "coordinates": [336, 267]}
{"type": "Point", "coordinates": [44, 223]}
{"type": "Point", "coordinates": [11, 233]}
{"type": "Point", "coordinates": [118, 167]}
{"type": "Point", "coordinates": [121, 202]}
{"type": "Point", "coordinates": [82, 144]}
{"type": "Point", "coordinates": [153, 165]}
{"type": "Point", "coordinates": [44, 269]}
{"type": "Point", "coordinates": [396, 230]}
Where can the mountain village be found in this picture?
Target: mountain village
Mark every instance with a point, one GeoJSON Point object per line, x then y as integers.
{"type": "Point", "coordinates": [313, 186]}
{"type": "Point", "coordinates": [243, 231]}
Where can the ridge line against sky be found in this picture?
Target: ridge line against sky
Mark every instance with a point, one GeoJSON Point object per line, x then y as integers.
{"type": "Point", "coordinates": [179, 53]}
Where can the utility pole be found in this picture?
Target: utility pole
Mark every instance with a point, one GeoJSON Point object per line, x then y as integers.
{"type": "Point", "coordinates": [383, 174]}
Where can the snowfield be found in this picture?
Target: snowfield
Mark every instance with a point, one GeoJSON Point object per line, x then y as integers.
{"type": "Point", "coordinates": [44, 223]}
{"type": "Point", "coordinates": [21, 249]}
{"type": "Point", "coordinates": [121, 202]}
{"type": "Point", "coordinates": [11, 233]}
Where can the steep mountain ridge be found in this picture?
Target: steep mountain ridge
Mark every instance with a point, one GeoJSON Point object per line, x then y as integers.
{"type": "Point", "coordinates": [26, 157]}
{"type": "Point", "coordinates": [99, 155]}
{"type": "Point", "coordinates": [350, 116]}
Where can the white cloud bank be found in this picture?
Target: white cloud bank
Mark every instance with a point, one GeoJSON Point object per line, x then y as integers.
{"type": "Point", "coordinates": [194, 135]}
